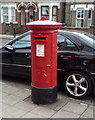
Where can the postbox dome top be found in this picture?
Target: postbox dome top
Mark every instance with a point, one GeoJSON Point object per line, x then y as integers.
{"type": "Point", "coordinates": [43, 23]}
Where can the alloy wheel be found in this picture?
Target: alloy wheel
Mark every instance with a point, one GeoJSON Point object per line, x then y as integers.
{"type": "Point", "coordinates": [77, 85]}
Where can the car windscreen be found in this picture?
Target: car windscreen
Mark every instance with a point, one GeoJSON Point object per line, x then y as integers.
{"type": "Point", "coordinates": [23, 42]}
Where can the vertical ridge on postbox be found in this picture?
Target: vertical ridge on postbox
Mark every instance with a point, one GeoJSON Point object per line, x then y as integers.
{"type": "Point", "coordinates": [44, 60]}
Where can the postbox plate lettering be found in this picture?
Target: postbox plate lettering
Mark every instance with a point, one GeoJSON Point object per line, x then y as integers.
{"type": "Point", "coordinates": [40, 50]}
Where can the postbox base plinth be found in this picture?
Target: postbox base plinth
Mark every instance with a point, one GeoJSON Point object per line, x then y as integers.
{"type": "Point", "coordinates": [44, 95]}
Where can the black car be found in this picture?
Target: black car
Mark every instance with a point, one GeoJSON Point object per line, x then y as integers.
{"type": "Point", "coordinates": [76, 61]}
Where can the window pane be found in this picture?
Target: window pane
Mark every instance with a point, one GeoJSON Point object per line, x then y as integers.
{"type": "Point", "coordinates": [54, 10]}
{"type": "Point", "coordinates": [69, 43]}
{"type": "Point", "coordinates": [80, 13]}
{"type": "Point", "coordinates": [45, 10]}
{"type": "Point", "coordinates": [79, 22]}
{"type": "Point", "coordinates": [61, 42]}
{"type": "Point", "coordinates": [5, 10]}
{"type": "Point", "coordinates": [13, 11]}
{"type": "Point", "coordinates": [31, 14]}
{"type": "Point", "coordinates": [70, 46]}
{"type": "Point", "coordinates": [54, 18]}
{"type": "Point", "coordinates": [89, 23]}
{"type": "Point", "coordinates": [23, 42]}
{"type": "Point", "coordinates": [5, 14]}
{"type": "Point", "coordinates": [89, 14]}
{"type": "Point", "coordinates": [25, 38]}
{"type": "Point", "coordinates": [5, 18]}
{"type": "Point", "coordinates": [12, 14]}
{"type": "Point", "coordinates": [13, 19]}
{"type": "Point", "coordinates": [61, 38]}
{"type": "Point", "coordinates": [19, 44]}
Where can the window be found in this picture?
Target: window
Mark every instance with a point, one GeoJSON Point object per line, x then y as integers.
{"type": "Point", "coordinates": [80, 17]}
{"type": "Point", "coordinates": [61, 42]}
{"type": "Point", "coordinates": [31, 14]}
{"type": "Point", "coordinates": [23, 16]}
{"type": "Point", "coordinates": [54, 13]}
{"type": "Point", "coordinates": [89, 18]}
{"type": "Point", "coordinates": [12, 14]}
{"type": "Point", "coordinates": [65, 44]}
{"type": "Point", "coordinates": [5, 14]}
{"type": "Point", "coordinates": [70, 46]}
{"type": "Point", "coordinates": [45, 11]}
{"type": "Point", "coordinates": [8, 13]}
{"type": "Point", "coordinates": [69, 43]}
{"type": "Point", "coordinates": [23, 42]}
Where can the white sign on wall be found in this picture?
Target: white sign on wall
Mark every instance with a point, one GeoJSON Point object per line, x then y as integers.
{"type": "Point", "coordinates": [40, 50]}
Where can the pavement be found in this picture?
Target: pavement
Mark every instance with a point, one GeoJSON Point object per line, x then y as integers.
{"type": "Point", "coordinates": [16, 103]}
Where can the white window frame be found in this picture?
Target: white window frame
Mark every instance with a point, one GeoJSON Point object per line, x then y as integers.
{"type": "Point", "coordinates": [55, 14]}
{"type": "Point", "coordinates": [9, 6]}
{"type": "Point", "coordinates": [50, 4]}
{"type": "Point", "coordinates": [80, 17]}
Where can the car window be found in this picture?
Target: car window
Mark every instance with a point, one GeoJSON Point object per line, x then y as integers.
{"type": "Point", "coordinates": [70, 46]}
{"type": "Point", "coordinates": [23, 42]}
{"type": "Point", "coordinates": [61, 42]}
{"type": "Point", "coordinates": [69, 43]}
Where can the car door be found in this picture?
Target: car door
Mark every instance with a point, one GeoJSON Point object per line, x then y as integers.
{"type": "Point", "coordinates": [18, 61]}
{"type": "Point", "coordinates": [67, 54]}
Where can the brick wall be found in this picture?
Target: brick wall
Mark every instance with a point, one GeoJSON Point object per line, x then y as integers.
{"type": "Point", "coordinates": [9, 29]}
{"type": "Point", "coordinates": [67, 14]}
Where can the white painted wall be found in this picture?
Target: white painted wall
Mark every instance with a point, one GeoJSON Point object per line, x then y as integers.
{"type": "Point", "coordinates": [88, 7]}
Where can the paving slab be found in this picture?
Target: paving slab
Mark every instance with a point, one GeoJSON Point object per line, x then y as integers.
{"type": "Point", "coordinates": [10, 89]}
{"type": "Point", "coordinates": [11, 99]}
{"type": "Point", "coordinates": [32, 115]}
{"type": "Point", "coordinates": [4, 94]}
{"type": "Point", "coordinates": [65, 114]}
{"type": "Point", "coordinates": [13, 112]}
{"type": "Point", "coordinates": [24, 93]}
{"type": "Point", "coordinates": [89, 112]}
{"type": "Point", "coordinates": [75, 107]}
{"type": "Point", "coordinates": [45, 112]}
{"type": "Point", "coordinates": [62, 101]}
{"type": "Point", "coordinates": [25, 106]}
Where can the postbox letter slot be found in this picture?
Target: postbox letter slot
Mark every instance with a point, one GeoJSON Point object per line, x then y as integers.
{"type": "Point", "coordinates": [39, 38]}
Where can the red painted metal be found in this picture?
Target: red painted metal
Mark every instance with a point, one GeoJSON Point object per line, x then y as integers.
{"type": "Point", "coordinates": [44, 52]}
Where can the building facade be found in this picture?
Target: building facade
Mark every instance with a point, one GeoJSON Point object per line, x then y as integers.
{"type": "Point", "coordinates": [74, 14]}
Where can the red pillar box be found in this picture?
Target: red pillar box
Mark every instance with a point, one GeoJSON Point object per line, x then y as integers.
{"type": "Point", "coordinates": [44, 60]}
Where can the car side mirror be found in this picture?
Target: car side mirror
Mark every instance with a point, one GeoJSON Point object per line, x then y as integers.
{"type": "Point", "coordinates": [9, 48]}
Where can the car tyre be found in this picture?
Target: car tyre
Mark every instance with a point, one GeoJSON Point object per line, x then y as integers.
{"type": "Point", "coordinates": [77, 84]}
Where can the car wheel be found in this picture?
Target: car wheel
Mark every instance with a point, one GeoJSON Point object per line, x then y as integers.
{"type": "Point", "coordinates": [77, 84]}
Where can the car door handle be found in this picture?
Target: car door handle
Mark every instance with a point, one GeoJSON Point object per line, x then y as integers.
{"type": "Point", "coordinates": [61, 56]}
{"type": "Point", "coordinates": [27, 55]}
{"type": "Point", "coordinates": [64, 56]}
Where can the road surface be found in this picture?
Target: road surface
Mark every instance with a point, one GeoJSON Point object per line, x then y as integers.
{"type": "Point", "coordinates": [3, 42]}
